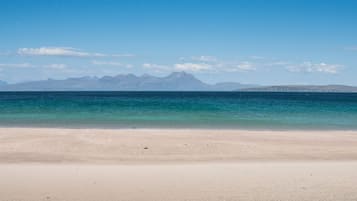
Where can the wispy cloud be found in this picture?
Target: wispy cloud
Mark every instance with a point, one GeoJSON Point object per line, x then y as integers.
{"type": "Point", "coordinates": [111, 63]}
{"type": "Point", "coordinates": [240, 67]}
{"type": "Point", "coordinates": [122, 55]}
{"type": "Point", "coordinates": [277, 63]}
{"type": "Point", "coordinates": [55, 51]}
{"type": "Point", "coordinates": [28, 65]}
{"type": "Point", "coordinates": [55, 66]}
{"type": "Point", "coordinates": [213, 64]}
{"type": "Point", "coordinates": [203, 64]}
{"type": "Point", "coordinates": [156, 67]}
{"type": "Point", "coordinates": [255, 63]}
{"type": "Point", "coordinates": [194, 67]}
{"type": "Point", "coordinates": [63, 51]}
{"type": "Point", "coordinates": [309, 67]}
{"type": "Point", "coordinates": [204, 58]}
{"type": "Point", "coordinates": [298, 67]}
{"type": "Point", "coordinates": [191, 67]}
{"type": "Point", "coordinates": [16, 65]}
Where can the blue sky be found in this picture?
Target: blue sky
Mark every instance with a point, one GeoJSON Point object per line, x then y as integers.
{"type": "Point", "coordinates": [251, 41]}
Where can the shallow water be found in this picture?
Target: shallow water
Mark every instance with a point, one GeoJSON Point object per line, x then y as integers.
{"type": "Point", "coordinates": [245, 110]}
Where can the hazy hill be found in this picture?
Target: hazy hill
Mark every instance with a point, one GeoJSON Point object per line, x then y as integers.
{"type": "Point", "coordinates": [304, 88]}
{"type": "Point", "coordinates": [177, 81]}
{"type": "Point", "coordinates": [2, 83]}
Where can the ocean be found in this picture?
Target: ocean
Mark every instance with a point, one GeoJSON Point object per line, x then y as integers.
{"type": "Point", "coordinates": [221, 110]}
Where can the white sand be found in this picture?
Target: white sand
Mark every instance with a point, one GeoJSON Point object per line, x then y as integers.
{"type": "Point", "coordinates": [178, 165]}
{"type": "Point", "coordinates": [268, 181]}
{"type": "Point", "coordinates": [128, 146]}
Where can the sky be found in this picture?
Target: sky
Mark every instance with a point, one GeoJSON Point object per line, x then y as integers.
{"type": "Point", "coordinates": [247, 41]}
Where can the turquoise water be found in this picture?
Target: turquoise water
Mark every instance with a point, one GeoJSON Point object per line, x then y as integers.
{"type": "Point", "coordinates": [246, 110]}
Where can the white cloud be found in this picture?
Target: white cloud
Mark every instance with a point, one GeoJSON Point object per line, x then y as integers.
{"type": "Point", "coordinates": [254, 57]}
{"type": "Point", "coordinates": [149, 65]}
{"type": "Point", "coordinates": [304, 67]}
{"type": "Point", "coordinates": [278, 63]}
{"type": "Point", "coordinates": [111, 63]}
{"type": "Point", "coordinates": [204, 58]}
{"type": "Point", "coordinates": [246, 66]}
{"type": "Point", "coordinates": [309, 67]}
{"type": "Point", "coordinates": [240, 67]}
{"type": "Point", "coordinates": [122, 55]}
{"type": "Point", "coordinates": [63, 51]}
{"type": "Point", "coordinates": [56, 66]}
{"type": "Point", "coordinates": [54, 51]}
{"type": "Point", "coordinates": [28, 65]}
{"type": "Point", "coordinates": [156, 67]}
{"type": "Point", "coordinates": [193, 67]}
{"type": "Point", "coordinates": [16, 65]}
{"type": "Point", "coordinates": [212, 64]}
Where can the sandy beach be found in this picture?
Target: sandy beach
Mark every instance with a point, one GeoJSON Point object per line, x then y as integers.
{"type": "Point", "coordinates": [119, 146]}
{"type": "Point", "coordinates": [167, 164]}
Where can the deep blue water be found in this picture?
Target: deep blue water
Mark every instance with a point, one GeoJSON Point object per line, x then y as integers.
{"type": "Point", "coordinates": [246, 110]}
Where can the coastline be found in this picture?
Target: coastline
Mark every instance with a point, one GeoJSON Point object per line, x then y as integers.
{"type": "Point", "coordinates": [182, 128]}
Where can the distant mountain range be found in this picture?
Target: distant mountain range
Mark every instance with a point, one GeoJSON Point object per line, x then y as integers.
{"type": "Point", "coordinates": [2, 83]}
{"type": "Point", "coordinates": [303, 88]}
{"type": "Point", "coordinates": [177, 81]}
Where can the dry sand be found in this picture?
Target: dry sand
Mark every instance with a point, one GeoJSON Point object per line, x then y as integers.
{"type": "Point", "coordinates": [176, 165]}
{"type": "Point", "coordinates": [24, 145]}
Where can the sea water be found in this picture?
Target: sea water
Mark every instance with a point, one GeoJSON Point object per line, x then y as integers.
{"type": "Point", "coordinates": [231, 110]}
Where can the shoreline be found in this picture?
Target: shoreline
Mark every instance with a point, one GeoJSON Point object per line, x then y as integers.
{"type": "Point", "coordinates": [181, 128]}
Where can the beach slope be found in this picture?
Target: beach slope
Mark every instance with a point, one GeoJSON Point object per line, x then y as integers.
{"type": "Point", "coordinates": [175, 165]}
